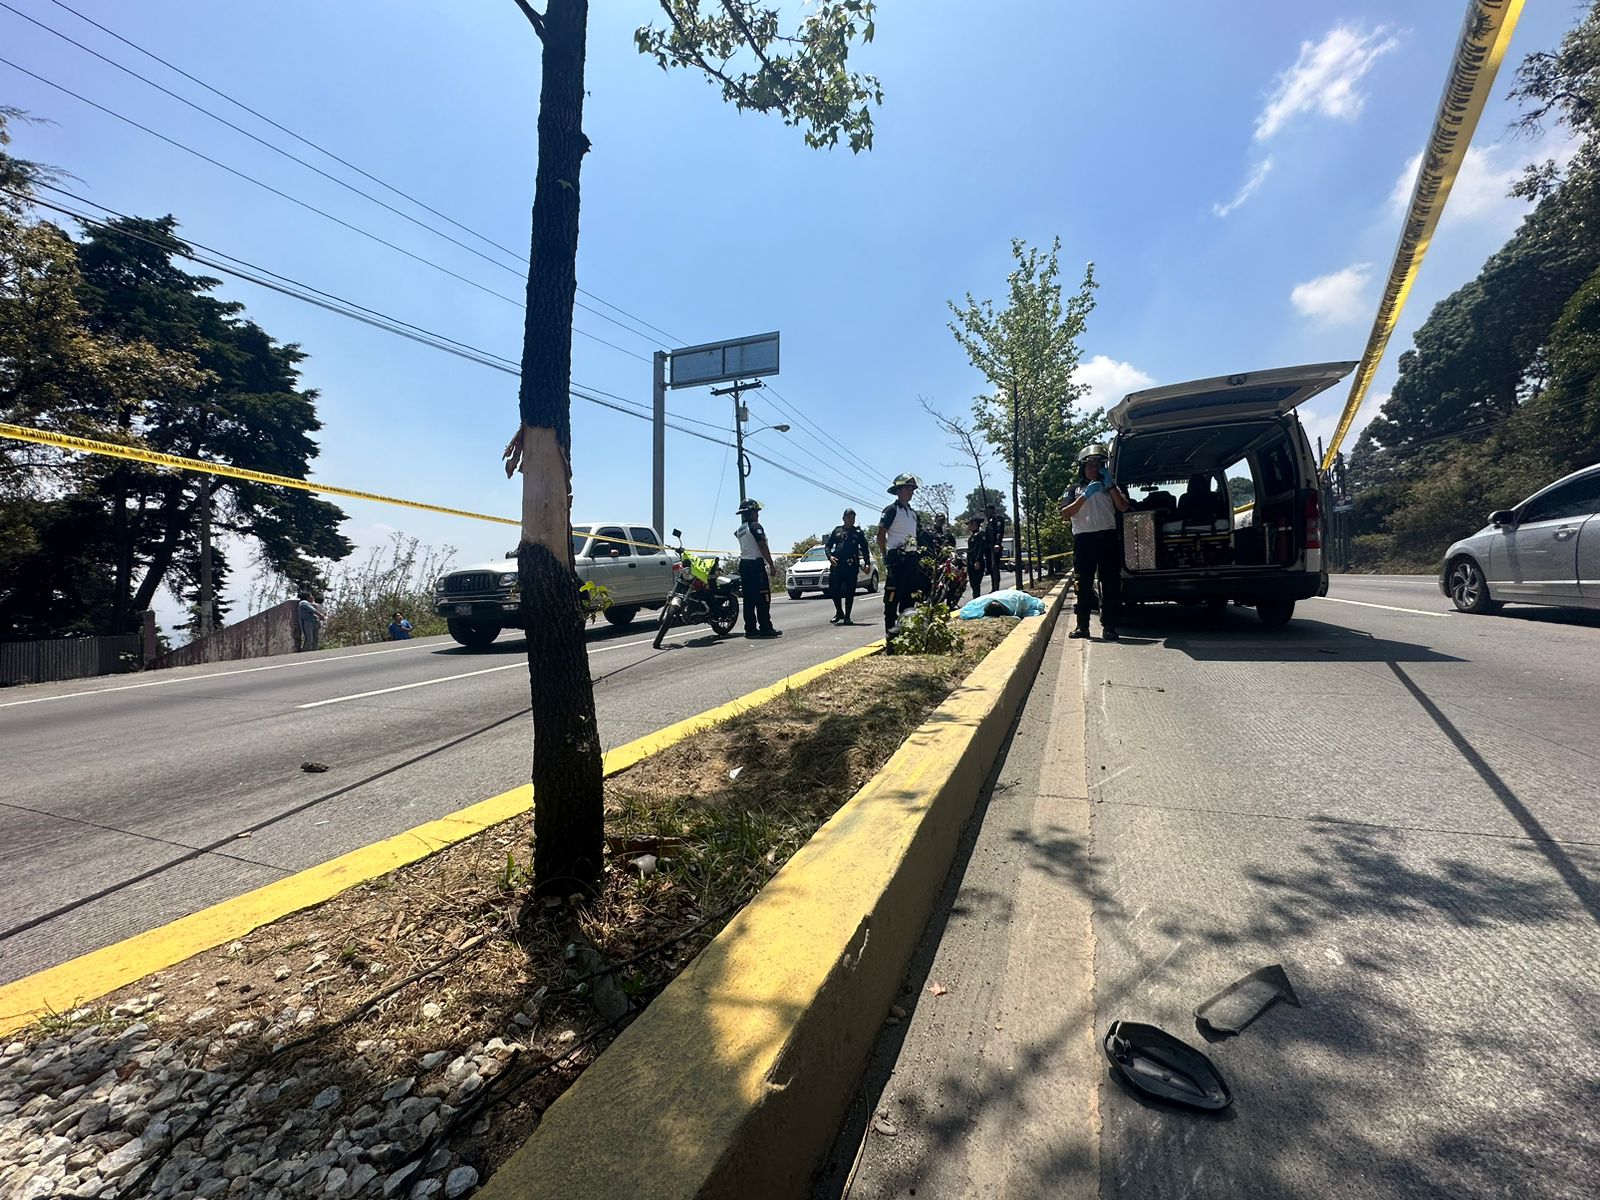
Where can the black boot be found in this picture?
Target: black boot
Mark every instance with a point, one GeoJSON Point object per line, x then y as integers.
{"type": "Point", "coordinates": [1081, 629]}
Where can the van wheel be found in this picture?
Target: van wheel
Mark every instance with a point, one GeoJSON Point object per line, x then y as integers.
{"type": "Point", "coordinates": [621, 615]}
{"type": "Point", "coordinates": [471, 635]}
{"type": "Point", "coordinates": [1275, 614]}
{"type": "Point", "coordinates": [1216, 605]}
{"type": "Point", "coordinates": [1469, 590]}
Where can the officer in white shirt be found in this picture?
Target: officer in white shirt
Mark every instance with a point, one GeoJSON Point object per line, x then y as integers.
{"type": "Point", "coordinates": [1092, 507]}
{"type": "Point", "coordinates": [755, 573]}
{"type": "Point", "coordinates": [898, 535]}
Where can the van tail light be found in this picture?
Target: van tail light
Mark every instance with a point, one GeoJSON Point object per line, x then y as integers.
{"type": "Point", "coordinates": [1313, 520]}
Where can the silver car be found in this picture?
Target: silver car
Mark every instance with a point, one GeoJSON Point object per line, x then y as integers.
{"type": "Point", "coordinates": [809, 573]}
{"type": "Point", "coordinates": [1546, 550]}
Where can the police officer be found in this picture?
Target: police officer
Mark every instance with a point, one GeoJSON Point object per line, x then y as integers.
{"type": "Point", "coordinates": [847, 549]}
{"type": "Point", "coordinates": [941, 536]}
{"type": "Point", "coordinates": [1096, 544]}
{"type": "Point", "coordinates": [755, 573]}
{"type": "Point", "coordinates": [898, 542]}
{"type": "Point", "coordinates": [994, 539]}
{"type": "Point", "coordinates": [977, 559]}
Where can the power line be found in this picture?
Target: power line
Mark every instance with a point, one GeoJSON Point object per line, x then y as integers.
{"type": "Point", "coordinates": [793, 413]}
{"type": "Point", "coordinates": [378, 320]}
{"type": "Point", "coordinates": [309, 207]}
{"type": "Point", "coordinates": [320, 149]}
{"type": "Point", "coordinates": [793, 410]}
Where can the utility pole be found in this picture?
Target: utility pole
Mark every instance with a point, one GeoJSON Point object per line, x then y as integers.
{"type": "Point", "coordinates": [740, 416]}
{"type": "Point", "coordinates": [1016, 469]}
{"type": "Point", "coordinates": [658, 449]}
{"type": "Point", "coordinates": [207, 603]}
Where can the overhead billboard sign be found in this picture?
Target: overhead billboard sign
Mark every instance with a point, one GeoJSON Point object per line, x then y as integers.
{"type": "Point", "coordinates": [717, 362]}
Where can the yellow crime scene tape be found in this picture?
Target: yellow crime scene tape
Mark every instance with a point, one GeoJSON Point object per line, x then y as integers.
{"type": "Point", "coordinates": [1485, 36]}
{"type": "Point", "coordinates": [177, 462]}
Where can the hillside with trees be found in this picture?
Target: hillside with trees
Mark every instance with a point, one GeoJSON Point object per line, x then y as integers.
{"type": "Point", "coordinates": [1500, 393]}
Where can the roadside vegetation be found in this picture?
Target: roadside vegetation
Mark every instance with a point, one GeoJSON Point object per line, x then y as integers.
{"type": "Point", "coordinates": [1500, 393]}
{"type": "Point", "coordinates": [399, 578]}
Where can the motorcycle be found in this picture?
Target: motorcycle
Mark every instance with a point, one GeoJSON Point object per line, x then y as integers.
{"type": "Point", "coordinates": [700, 595]}
{"type": "Point", "coordinates": [947, 577]}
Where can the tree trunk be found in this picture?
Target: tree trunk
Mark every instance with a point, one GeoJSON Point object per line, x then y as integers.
{"type": "Point", "coordinates": [569, 801]}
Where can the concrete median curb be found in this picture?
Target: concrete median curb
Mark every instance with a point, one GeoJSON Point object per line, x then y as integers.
{"type": "Point", "coordinates": [733, 1082]}
{"type": "Point", "coordinates": [88, 977]}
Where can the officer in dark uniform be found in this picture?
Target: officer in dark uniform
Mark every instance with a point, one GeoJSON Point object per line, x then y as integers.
{"type": "Point", "coordinates": [898, 542]}
{"type": "Point", "coordinates": [755, 573]}
{"type": "Point", "coordinates": [847, 549]}
{"type": "Point", "coordinates": [977, 557]}
{"type": "Point", "coordinates": [941, 536]}
{"type": "Point", "coordinates": [994, 529]}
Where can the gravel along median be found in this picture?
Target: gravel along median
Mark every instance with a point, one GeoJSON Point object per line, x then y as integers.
{"type": "Point", "coordinates": [404, 1037]}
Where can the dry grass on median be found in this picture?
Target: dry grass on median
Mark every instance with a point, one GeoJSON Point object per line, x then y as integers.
{"type": "Point", "coordinates": [431, 959]}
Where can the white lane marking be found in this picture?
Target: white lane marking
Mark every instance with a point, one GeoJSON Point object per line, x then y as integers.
{"type": "Point", "coordinates": [1418, 612]}
{"type": "Point", "coordinates": [408, 686]}
{"type": "Point", "coordinates": [299, 662]}
{"type": "Point", "coordinates": [405, 687]}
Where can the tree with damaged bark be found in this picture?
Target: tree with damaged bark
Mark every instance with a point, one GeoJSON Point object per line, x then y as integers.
{"type": "Point", "coordinates": [739, 46]}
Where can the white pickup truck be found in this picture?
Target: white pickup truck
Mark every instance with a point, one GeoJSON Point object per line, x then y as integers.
{"type": "Point", "coordinates": [629, 560]}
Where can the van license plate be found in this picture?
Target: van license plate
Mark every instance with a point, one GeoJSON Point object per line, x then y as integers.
{"type": "Point", "coordinates": [463, 610]}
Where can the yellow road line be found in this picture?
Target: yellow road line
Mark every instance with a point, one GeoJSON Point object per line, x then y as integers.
{"type": "Point", "coordinates": [1485, 37]}
{"type": "Point", "coordinates": [99, 972]}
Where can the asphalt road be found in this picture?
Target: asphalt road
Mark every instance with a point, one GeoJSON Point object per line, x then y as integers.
{"type": "Point", "coordinates": [123, 799]}
{"type": "Point", "coordinates": [1393, 801]}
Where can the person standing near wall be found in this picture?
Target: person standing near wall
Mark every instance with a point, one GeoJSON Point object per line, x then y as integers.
{"type": "Point", "coordinates": [310, 615]}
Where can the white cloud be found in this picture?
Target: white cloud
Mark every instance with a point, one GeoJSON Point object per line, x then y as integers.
{"type": "Point", "coordinates": [1324, 78]}
{"type": "Point", "coordinates": [1336, 299]}
{"type": "Point", "coordinates": [1480, 190]}
{"type": "Point", "coordinates": [1257, 178]}
{"type": "Point", "coordinates": [1105, 380]}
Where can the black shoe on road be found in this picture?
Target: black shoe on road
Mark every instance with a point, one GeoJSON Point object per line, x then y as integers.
{"type": "Point", "coordinates": [1110, 635]}
{"type": "Point", "coordinates": [770, 633]}
{"type": "Point", "coordinates": [1079, 631]}
{"type": "Point", "coordinates": [836, 619]}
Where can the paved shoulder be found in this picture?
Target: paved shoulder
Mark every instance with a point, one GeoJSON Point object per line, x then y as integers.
{"type": "Point", "coordinates": [989, 1086]}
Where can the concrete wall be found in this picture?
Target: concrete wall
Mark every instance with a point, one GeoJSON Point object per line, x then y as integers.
{"type": "Point", "coordinates": [272, 631]}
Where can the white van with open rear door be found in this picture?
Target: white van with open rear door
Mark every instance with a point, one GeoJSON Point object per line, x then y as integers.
{"type": "Point", "coordinates": [1174, 450]}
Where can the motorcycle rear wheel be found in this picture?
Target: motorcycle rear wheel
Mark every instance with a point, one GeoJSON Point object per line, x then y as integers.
{"type": "Point", "coordinates": [723, 625]}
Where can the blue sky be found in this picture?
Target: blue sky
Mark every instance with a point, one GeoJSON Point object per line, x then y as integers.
{"type": "Point", "coordinates": [1237, 182]}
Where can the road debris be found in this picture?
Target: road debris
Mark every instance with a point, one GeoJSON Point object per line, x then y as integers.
{"type": "Point", "coordinates": [1243, 1000]}
{"type": "Point", "coordinates": [1158, 1065]}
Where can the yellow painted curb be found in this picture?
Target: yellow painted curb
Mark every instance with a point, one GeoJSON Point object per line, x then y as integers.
{"type": "Point", "coordinates": [732, 1083]}
{"type": "Point", "coordinates": [99, 972]}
